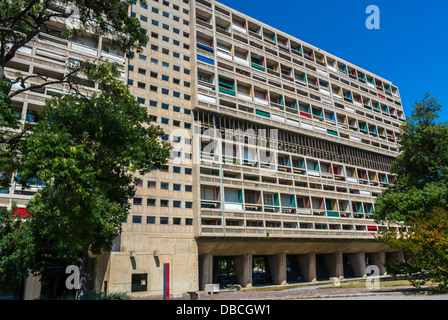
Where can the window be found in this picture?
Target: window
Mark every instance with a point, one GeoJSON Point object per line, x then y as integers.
{"type": "Point", "coordinates": [177, 187]}
{"type": "Point", "coordinates": [165, 38]}
{"type": "Point", "coordinates": [165, 91]}
{"type": "Point", "coordinates": [141, 85]}
{"type": "Point", "coordinates": [164, 203]}
{"type": "Point", "coordinates": [142, 71]}
{"type": "Point", "coordinates": [139, 282]}
{"type": "Point", "coordinates": [151, 202]}
{"type": "Point", "coordinates": [141, 100]}
{"type": "Point", "coordinates": [136, 219]}
{"type": "Point", "coordinates": [164, 185]}
{"type": "Point", "coordinates": [137, 201]}
{"type": "Point", "coordinates": [166, 14]}
{"type": "Point", "coordinates": [155, 10]}
{"type": "Point", "coordinates": [165, 51]}
{"type": "Point", "coordinates": [165, 26]}
{"type": "Point", "coordinates": [188, 170]}
{"type": "Point", "coordinates": [176, 109]}
{"type": "Point", "coordinates": [188, 204]}
{"type": "Point", "coordinates": [153, 74]}
{"type": "Point", "coordinates": [150, 220]}
{"type": "Point", "coordinates": [165, 64]}
{"type": "Point", "coordinates": [176, 204]}
{"type": "Point", "coordinates": [176, 169]}
{"type": "Point", "coordinates": [155, 22]}
{"type": "Point", "coordinates": [153, 103]}
{"type": "Point", "coordinates": [165, 106]}
{"type": "Point", "coordinates": [151, 184]}
{"type": "Point", "coordinates": [143, 18]}
{"type": "Point", "coordinates": [165, 77]}
{"type": "Point", "coordinates": [163, 220]}
{"type": "Point", "coordinates": [188, 188]}
{"type": "Point", "coordinates": [154, 61]}
{"type": "Point", "coordinates": [154, 47]}
{"type": "Point", "coordinates": [188, 222]}
{"type": "Point", "coordinates": [176, 221]}
{"type": "Point", "coordinates": [142, 57]}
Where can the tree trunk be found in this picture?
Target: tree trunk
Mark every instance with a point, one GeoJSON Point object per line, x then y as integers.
{"type": "Point", "coordinates": [83, 276]}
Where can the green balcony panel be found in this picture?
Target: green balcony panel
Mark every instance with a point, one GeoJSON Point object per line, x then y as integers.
{"type": "Point", "coordinates": [333, 214]}
{"type": "Point", "coordinates": [262, 113]}
{"type": "Point", "coordinates": [228, 91]}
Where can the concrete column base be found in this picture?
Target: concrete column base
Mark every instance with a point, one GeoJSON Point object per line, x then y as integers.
{"type": "Point", "coordinates": [205, 270]}
{"type": "Point", "coordinates": [243, 269]}
{"type": "Point", "coordinates": [334, 264]}
{"type": "Point", "coordinates": [277, 266]}
{"type": "Point", "coordinates": [307, 265]}
{"type": "Point", "coordinates": [378, 259]}
{"type": "Point", "coordinates": [358, 263]}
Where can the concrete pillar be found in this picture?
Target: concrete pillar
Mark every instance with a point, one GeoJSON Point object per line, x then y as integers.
{"type": "Point", "coordinates": [334, 264]}
{"type": "Point", "coordinates": [32, 288]}
{"type": "Point", "coordinates": [277, 266]}
{"type": "Point", "coordinates": [307, 265]}
{"type": "Point", "coordinates": [395, 256]}
{"type": "Point", "coordinates": [358, 263]}
{"type": "Point", "coordinates": [205, 270]}
{"type": "Point", "coordinates": [378, 259]}
{"type": "Point", "coordinates": [243, 269]}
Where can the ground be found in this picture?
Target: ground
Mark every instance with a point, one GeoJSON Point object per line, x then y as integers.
{"type": "Point", "coordinates": [353, 289]}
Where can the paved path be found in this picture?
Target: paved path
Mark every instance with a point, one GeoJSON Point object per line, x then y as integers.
{"type": "Point", "coordinates": [316, 292]}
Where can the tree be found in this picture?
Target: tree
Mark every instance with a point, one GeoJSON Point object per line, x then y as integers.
{"type": "Point", "coordinates": [426, 246]}
{"type": "Point", "coordinates": [85, 149]}
{"type": "Point", "coordinates": [86, 152]}
{"type": "Point", "coordinates": [16, 250]}
{"type": "Point", "coordinates": [419, 198]}
{"type": "Point", "coordinates": [21, 21]}
{"type": "Point", "coordinates": [421, 167]}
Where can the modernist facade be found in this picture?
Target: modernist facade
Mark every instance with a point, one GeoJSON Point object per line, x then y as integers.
{"type": "Point", "coordinates": [280, 150]}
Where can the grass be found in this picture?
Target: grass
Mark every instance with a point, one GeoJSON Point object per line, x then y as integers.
{"type": "Point", "coordinates": [362, 284]}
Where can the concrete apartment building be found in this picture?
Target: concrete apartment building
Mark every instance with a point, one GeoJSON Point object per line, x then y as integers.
{"type": "Point", "coordinates": [280, 150]}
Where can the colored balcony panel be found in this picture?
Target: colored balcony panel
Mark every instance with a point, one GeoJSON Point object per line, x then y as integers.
{"type": "Point", "coordinates": [262, 113]}
{"type": "Point", "coordinates": [205, 59]}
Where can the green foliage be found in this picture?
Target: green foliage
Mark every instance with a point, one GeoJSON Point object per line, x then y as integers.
{"type": "Point", "coordinates": [425, 245]}
{"type": "Point", "coordinates": [421, 166]}
{"type": "Point", "coordinates": [419, 198]}
{"type": "Point", "coordinates": [16, 249]}
{"type": "Point", "coordinates": [87, 151]}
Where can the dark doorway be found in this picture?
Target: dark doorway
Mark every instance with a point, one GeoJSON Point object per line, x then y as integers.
{"type": "Point", "coordinates": [348, 271]}
{"type": "Point", "coordinates": [224, 271]}
{"type": "Point", "coordinates": [293, 273]}
{"type": "Point", "coordinates": [261, 274]}
{"type": "Point", "coordinates": [139, 282]}
{"type": "Point", "coordinates": [322, 272]}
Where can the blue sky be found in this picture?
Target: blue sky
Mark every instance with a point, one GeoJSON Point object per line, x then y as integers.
{"type": "Point", "coordinates": [410, 48]}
